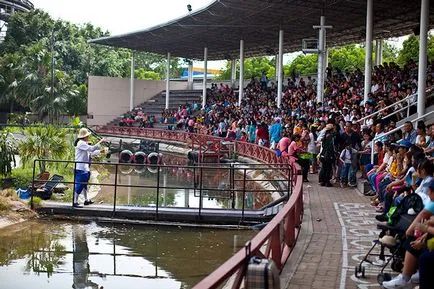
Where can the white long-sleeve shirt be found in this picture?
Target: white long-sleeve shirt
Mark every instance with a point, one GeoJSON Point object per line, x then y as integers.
{"type": "Point", "coordinates": [83, 151]}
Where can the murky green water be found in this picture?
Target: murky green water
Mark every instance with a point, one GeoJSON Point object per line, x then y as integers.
{"type": "Point", "coordinates": [51, 254]}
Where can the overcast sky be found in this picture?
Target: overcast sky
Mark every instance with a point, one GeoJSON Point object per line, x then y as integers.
{"type": "Point", "coordinates": [119, 16]}
{"type": "Point", "coordinates": [125, 16]}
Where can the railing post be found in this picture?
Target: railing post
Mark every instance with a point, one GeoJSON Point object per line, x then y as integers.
{"type": "Point", "coordinates": [200, 191]}
{"type": "Point", "coordinates": [232, 184]}
{"type": "Point", "coordinates": [276, 252]}
{"type": "Point", "coordinates": [73, 187]}
{"type": "Point", "coordinates": [244, 193]}
{"type": "Point", "coordinates": [157, 202]}
{"type": "Point", "coordinates": [290, 184]}
{"type": "Point", "coordinates": [408, 108]}
{"type": "Point", "coordinates": [115, 192]}
{"type": "Point", "coordinates": [33, 185]}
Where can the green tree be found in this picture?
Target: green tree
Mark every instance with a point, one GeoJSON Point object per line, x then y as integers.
{"type": "Point", "coordinates": [303, 64]}
{"type": "Point", "coordinates": [253, 67]}
{"type": "Point", "coordinates": [146, 74]}
{"type": "Point", "coordinates": [390, 52]}
{"type": "Point", "coordinates": [410, 49]}
{"type": "Point", "coordinates": [42, 142]}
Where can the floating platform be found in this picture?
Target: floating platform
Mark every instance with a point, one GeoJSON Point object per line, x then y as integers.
{"type": "Point", "coordinates": [185, 215]}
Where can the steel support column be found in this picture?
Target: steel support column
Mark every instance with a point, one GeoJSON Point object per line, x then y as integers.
{"type": "Point", "coordinates": [132, 82]}
{"type": "Point", "coordinates": [280, 70]}
{"type": "Point", "coordinates": [378, 52]}
{"type": "Point", "coordinates": [368, 49]}
{"type": "Point", "coordinates": [190, 75]}
{"type": "Point", "coordinates": [421, 81]}
{"type": "Point", "coordinates": [233, 72]}
{"type": "Point", "coordinates": [321, 47]}
{"type": "Point", "coordinates": [205, 75]}
{"type": "Point", "coordinates": [241, 88]}
{"type": "Point", "coordinates": [167, 80]}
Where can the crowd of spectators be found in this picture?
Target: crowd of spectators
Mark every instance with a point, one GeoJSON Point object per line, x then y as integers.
{"type": "Point", "coordinates": [337, 135]}
{"type": "Point", "coordinates": [137, 118]}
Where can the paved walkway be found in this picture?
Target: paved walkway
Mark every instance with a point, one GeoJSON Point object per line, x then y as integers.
{"type": "Point", "coordinates": [338, 230]}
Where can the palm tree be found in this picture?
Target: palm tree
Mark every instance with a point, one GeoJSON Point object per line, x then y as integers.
{"type": "Point", "coordinates": [43, 142]}
{"type": "Point", "coordinates": [35, 87]}
{"type": "Point", "coordinates": [53, 104]}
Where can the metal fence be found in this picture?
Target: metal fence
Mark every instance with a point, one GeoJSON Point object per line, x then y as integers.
{"type": "Point", "coordinates": [233, 183]}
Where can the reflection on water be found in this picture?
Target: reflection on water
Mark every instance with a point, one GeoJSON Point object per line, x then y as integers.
{"type": "Point", "coordinates": [181, 187]}
{"type": "Point", "coordinates": [64, 255]}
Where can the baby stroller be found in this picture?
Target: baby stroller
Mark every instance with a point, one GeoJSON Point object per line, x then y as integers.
{"type": "Point", "coordinates": [392, 236]}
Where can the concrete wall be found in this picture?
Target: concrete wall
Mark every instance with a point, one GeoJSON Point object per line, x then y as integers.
{"type": "Point", "coordinates": [109, 97]}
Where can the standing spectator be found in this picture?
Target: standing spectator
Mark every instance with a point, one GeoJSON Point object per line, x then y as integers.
{"type": "Point", "coordinates": [262, 135]}
{"type": "Point", "coordinates": [327, 156]}
{"type": "Point", "coordinates": [275, 133]}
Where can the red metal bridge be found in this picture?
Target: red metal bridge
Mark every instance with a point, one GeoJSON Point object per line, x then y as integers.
{"type": "Point", "coordinates": [277, 239]}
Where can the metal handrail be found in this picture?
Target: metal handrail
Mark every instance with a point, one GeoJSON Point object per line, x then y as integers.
{"type": "Point", "coordinates": [398, 111]}
{"type": "Point", "coordinates": [201, 187]}
{"type": "Point", "coordinates": [393, 131]}
{"type": "Point", "coordinates": [386, 108]}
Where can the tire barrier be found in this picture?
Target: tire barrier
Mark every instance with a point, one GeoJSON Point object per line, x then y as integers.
{"type": "Point", "coordinates": [125, 156]}
{"type": "Point", "coordinates": [126, 170]}
{"type": "Point", "coordinates": [140, 158]}
{"type": "Point", "coordinates": [140, 169]}
{"type": "Point", "coordinates": [193, 158]}
{"type": "Point", "coordinates": [154, 158]}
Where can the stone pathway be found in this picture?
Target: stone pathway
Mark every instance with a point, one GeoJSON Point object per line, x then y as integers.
{"type": "Point", "coordinates": [341, 232]}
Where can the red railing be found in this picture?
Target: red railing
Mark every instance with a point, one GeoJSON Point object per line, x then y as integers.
{"type": "Point", "coordinates": [277, 239]}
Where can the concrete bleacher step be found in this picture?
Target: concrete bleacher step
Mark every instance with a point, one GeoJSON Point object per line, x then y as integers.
{"type": "Point", "coordinates": [157, 104]}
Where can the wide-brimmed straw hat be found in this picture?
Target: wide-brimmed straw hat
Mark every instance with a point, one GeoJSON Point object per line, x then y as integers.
{"type": "Point", "coordinates": [84, 132]}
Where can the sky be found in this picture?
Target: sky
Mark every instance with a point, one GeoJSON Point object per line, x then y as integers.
{"type": "Point", "coordinates": [119, 17]}
{"type": "Point", "coordinates": [132, 15]}
{"type": "Point", "coordinates": [126, 16]}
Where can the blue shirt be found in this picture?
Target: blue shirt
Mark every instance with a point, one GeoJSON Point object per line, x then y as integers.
{"type": "Point", "coordinates": [430, 207]}
{"type": "Point", "coordinates": [276, 132]}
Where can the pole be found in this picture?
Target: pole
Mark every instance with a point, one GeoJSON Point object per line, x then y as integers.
{"type": "Point", "coordinates": [190, 75]}
{"type": "Point", "coordinates": [368, 49]}
{"type": "Point", "coordinates": [320, 84]}
{"type": "Point", "coordinates": [421, 81]}
{"type": "Point", "coordinates": [205, 75]}
{"type": "Point", "coordinates": [380, 52]}
{"type": "Point", "coordinates": [52, 63]}
{"type": "Point", "coordinates": [233, 72]}
{"type": "Point", "coordinates": [241, 88]}
{"type": "Point", "coordinates": [280, 70]}
{"type": "Point", "coordinates": [168, 80]}
{"type": "Point", "coordinates": [132, 82]}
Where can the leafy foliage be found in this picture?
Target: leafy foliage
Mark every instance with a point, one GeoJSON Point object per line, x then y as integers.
{"type": "Point", "coordinates": [43, 142]}
{"type": "Point", "coordinates": [410, 49]}
{"type": "Point", "coordinates": [27, 55]}
{"type": "Point", "coordinates": [253, 67]}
